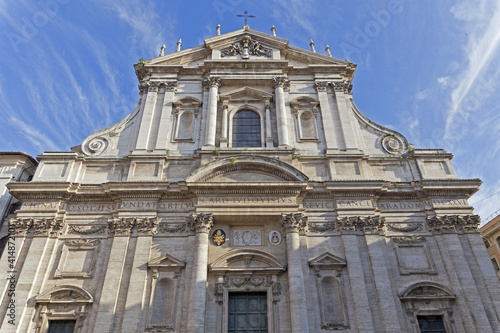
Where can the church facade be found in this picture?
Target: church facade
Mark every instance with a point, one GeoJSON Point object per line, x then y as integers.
{"type": "Point", "coordinates": [246, 193]}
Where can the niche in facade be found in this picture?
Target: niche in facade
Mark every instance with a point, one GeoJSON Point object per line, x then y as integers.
{"type": "Point", "coordinates": [186, 111]}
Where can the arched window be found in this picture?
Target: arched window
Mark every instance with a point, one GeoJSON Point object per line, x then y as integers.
{"type": "Point", "coordinates": [246, 129]}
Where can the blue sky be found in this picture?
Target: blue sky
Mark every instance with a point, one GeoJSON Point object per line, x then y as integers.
{"type": "Point", "coordinates": [429, 69]}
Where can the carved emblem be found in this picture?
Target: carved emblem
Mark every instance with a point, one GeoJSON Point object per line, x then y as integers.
{"type": "Point", "coordinates": [246, 47]}
{"type": "Point", "coordinates": [322, 227]}
{"type": "Point", "coordinates": [247, 237]}
{"type": "Point", "coordinates": [219, 237]}
{"type": "Point", "coordinates": [368, 224]}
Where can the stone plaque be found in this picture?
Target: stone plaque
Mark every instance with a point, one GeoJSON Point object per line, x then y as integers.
{"type": "Point", "coordinates": [247, 237]}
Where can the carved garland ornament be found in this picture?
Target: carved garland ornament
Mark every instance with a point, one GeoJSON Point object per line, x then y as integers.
{"type": "Point", "coordinates": [405, 227]}
{"type": "Point", "coordinates": [368, 224]}
{"type": "Point", "coordinates": [38, 227]}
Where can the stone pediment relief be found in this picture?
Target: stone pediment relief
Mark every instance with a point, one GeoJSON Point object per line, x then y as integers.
{"type": "Point", "coordinates": [427, 290]}
{"type": "Point", "coordinates": [327, 261]}
{"type": "Point", "coordinates": [246, 94]}
{"type": "Point", "coordinates": [250, 169]}
{"type": "Point", "coordinates": [245, 48]}
{"type": "Point", "coordinates": [65, 294]}
{"type": "Point", "coordinates": [166, 261]}
{"type": "Point", "coordinates": [246, 260]}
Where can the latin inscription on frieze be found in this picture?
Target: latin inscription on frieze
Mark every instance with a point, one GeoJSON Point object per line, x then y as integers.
{"type": "Point", "coordinates": [404, 205]}
{"type": "Point", "coordinates": [320, 205]}
{"type": "Point", "coordinates": [108, 207]}
{"type": "Point", "coordinates": [257, 201]}
{"type": "Point", "coordinates": [346, 204]}
{"type": "Point", "coordinates": [449, 202]}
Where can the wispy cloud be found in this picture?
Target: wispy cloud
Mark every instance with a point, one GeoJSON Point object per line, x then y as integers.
{"type": "Point", "coordinates": [150, 30]}
{"type": "Point", "coordinates": [481, 49]}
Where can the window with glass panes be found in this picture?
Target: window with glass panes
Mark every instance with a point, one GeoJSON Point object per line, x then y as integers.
{"type": "Point", "coordinates": [61, 326]}
{"type": "Point", "coordinates": [431, 324]}
{"type": "Point", "coordinates": [246, 129]}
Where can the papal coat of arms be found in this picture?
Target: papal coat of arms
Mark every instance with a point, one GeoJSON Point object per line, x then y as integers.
{"type": "Point", "coordinates": [219, 237]}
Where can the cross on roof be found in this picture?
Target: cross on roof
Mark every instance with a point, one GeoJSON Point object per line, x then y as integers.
{"type": "Point", "coordinates": [245, 15]}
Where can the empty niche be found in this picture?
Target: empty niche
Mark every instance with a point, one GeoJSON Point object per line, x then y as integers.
{"type": "Point", "coordinates": [185, 126]}
{"type": "Point", "coordinates": [307, 127]}
{"type": "Point", "coordinates": [185, 112]}
{"type": "Point", "coordinates": [331, 300]}
{"type": "Point", "coordinates": [161, 314]}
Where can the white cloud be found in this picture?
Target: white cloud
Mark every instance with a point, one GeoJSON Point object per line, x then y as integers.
{"type": "Point", "coordinates": [37, 139]}
{"type": "Point", "coordinates": [444, 81]}
{"type": "Point", "coordinates": [481, 49]}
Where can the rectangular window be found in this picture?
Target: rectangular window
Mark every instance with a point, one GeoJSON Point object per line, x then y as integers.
{"type": "Point", "coordinates": [61, 326]}
{"type": "Point", "coordinates": [247, 312]}
{"type": "Point", "coordinates": [495, 264]}
{"type": "Point", "coordinates": [431, 324]}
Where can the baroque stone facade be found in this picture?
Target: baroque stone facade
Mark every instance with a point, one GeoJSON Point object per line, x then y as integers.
{"type": "Point", "coordinates": [247, 190]}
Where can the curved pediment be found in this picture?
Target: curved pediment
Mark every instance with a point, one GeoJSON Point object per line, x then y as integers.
{"type": "Point", "coordinates": [426, 290]}
{"type": "Point", "coordinates": [247, 168]}
{"type": "Point", "coordinates": [65, 294]}
{"type": "Point", "coordinates": [247, 260]}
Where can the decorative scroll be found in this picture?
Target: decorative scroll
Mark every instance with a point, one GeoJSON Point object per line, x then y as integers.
{"type": "Point", "coordinates": [86, 230]}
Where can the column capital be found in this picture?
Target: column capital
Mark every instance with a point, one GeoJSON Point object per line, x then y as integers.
{"type": "Point", "coordinates": [294, 222]}
{"type": "Point", "coordinates": [280, 81]}
{"type": "Point", "coordinates": [202, 222]}
{"type": "Point", "coordinates": [170, 85]}
{"type": "Point", "coordinates": [346, 87]}
{"type": "Point", "coordinates": [321, 85]}
{"type": "Point", "coordinates": [214, 82]}
{"type": "Point", "coordinates": [153, 87]}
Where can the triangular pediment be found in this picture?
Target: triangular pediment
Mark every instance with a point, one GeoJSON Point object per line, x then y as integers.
{"type": "Point", "coordinates": [327, 260]}
{"type": "Point", "coordinates": [246, 94]}
{"type": "Point", "coordinates": [166, 260]}
{"type": "Point", "coordinates": [261, 46]}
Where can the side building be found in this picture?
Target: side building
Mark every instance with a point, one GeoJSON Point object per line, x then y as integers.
{"type": "Point", "coordinates": [14, 167]}
{"type": "Point", "coordinates": [247, 192]}
{"type": "Point", "coordinates": [491, 236]}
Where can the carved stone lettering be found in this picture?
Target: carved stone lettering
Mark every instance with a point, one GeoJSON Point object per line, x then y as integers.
{"type": "Point", "coordinates": [354, 203]}
{"type": "Point", "coordinates": [260, 201]}
{"type": "Point", "coordinates": [408, 205]}
{"type": "Point", "coordinates": [318, 205]}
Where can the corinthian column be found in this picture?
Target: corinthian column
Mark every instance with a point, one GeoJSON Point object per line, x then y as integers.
{"type": "Point", "coordinates": [292, 224]}
{"type": "Point", "coordinates": [280, 83]}
{"type": "Point", "coordinates": [214, 83]}
{"type": "Point", "coordinates": [201, 224]}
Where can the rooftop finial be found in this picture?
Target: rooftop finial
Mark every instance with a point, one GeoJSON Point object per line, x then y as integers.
{"type": "Point", "coordinates": [245, 15]}
{"type": "Point", "coordinates": [218, 30]}
{"type": "Point", "coordinates": [162, 50]}
{"type": "Point", "coordinates": [273, 30]}
{"type": "Point", "coordinates": [312, 46]}
{"type": "Point", "coordinates": [327, 49]}
{"type": "Point", "coordinates": [179, 43]}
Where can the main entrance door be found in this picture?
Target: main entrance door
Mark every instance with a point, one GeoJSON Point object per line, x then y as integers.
{"type": "Point", "coordinates": [247, 312]}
